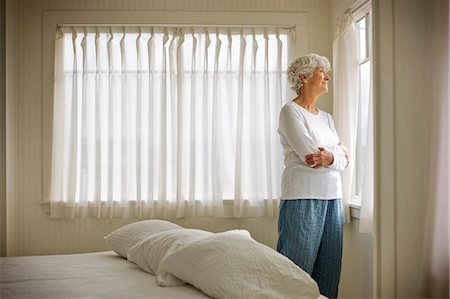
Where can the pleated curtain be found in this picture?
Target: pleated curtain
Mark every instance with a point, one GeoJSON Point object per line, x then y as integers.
{"type": "Point", "coordinates": [345, 104]}
{"type": "Point", "coordinates": [346, 111]}
{"type": "Point", "coordinates": [162, 122]}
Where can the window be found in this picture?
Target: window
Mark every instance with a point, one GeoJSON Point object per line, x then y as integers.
{"type": "Point", "coordinates": [363, 28]}
{"type": "Point", "coordinates": [167, 121]}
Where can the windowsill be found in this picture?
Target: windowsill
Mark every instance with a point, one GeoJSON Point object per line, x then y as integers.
{"type": "Point", "coordinates": [46, 204]}
{"type": "Point", "coordinates": [228, 205]}
{"type": "Point", "coordinates": [355, 206]}
{"type": "Point", "coordinates": [355, 210]}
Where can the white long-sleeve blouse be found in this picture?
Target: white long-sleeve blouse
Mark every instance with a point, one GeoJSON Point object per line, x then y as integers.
{"type": "Point", "coordinates": [302, 133]}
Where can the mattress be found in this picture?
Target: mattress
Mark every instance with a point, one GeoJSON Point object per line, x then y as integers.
{"type": "Point", "coordinates": [87, 275]}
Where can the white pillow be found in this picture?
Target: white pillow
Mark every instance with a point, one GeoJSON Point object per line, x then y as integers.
{"type": "Point", "coordinates": [127, 236]}
{"type": "Point", "coordinates": [166, 278]}
{"type": "Point", "coordinates": [231, 265]}
{"type": "Point", "coordinates": [148, 253]}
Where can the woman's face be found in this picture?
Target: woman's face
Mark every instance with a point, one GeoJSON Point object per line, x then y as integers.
{"type": "Point", "coordinates": [318, 81]}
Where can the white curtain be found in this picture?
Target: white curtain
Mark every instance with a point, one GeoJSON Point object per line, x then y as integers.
{"type": "Point", "coordinates": [167, 122]}
{"type": "Point", "coordinates": [436, 238]}
{"type": "Point", "coordinates": [345, 104]}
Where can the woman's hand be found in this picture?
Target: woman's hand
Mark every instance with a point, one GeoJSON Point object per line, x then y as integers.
{"type": "Point", "coordinates": [321, 158]}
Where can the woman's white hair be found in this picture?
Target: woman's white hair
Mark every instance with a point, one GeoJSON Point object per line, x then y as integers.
{"type": "Point", "coordinates": [305, 65]}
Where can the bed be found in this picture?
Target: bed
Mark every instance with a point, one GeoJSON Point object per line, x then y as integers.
{"type": "Point", "coordinates": [157, 259]}
{"type": "Point", "coordinates": [86, 275]}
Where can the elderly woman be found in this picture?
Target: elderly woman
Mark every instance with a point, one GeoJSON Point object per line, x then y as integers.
{"type": "Point", "coordinates": [311, 216]}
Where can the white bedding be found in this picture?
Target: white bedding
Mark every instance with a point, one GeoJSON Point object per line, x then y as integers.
{"type": "Point", "coordinates": [227, 265]}
{"type": "Point", "coordinates": [87, 275]}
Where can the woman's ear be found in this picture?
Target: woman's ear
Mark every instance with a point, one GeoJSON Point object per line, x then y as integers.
{"type": "Point", "coordinates": [303, 78]}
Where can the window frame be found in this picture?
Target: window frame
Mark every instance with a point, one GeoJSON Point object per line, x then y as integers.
{"type": "Point", "coordinates": [363, 11]}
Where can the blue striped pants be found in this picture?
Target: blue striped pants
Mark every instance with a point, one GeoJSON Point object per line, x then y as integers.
{"type": "Point", "coordinates": [310, 233]}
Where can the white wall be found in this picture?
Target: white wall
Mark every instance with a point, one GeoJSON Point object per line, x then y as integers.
{"type": "Point", "coordinates": [357, 270]}
{"type": "Point", "coordinates": [38, 234]}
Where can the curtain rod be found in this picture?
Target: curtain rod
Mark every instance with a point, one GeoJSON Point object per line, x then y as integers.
{"type": "Point", "coordinates": [174, 25]}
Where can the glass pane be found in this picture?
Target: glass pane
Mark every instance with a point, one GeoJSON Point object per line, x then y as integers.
{"type": "Point", "coordinates": [363, 116]}
{"type": "Point", "coordinates": [361, 28]}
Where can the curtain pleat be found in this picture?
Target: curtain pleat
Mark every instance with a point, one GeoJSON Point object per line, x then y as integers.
{"type": "Point", "coordinates": [216, 149]}
{"type": "Point", "coordinates": [267, 124]}
{"type": "Point", "coordinates": [83, 174]}
{"type": "Point", "coordinates": [163, 122]}
{"type": "Point", "coordinates": [163, 152]}
{"type": "Point", "coordinates": [139, 126]}
{"type": "Point", "coordinates": [60, 158]}
{"type": "Point", "coordinates": [280, 79]}
{"type": "Point", "coordinates": [252, 126]}
{"type": "Point", "coordinates": [150, 182]}
{"type": "Point", "coordinates": [193, 118]}
{"type": "Point", "coordinates": [180, 116]}
{"type": "Point", "coordinates": [239, 134]}
{"type": "Point", "coordinates": [110, 128]}
{"type": "Point", "coordinates": [205, 121]}
{"type": "Point", "coordinates": [97, 176]}
{"type": "Point", "coordinates": [72, 180]}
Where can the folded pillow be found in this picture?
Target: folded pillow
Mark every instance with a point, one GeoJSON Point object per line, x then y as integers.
{"type": "Point", "coordinates": [148, 253]}
{"type": "Point", "coordinates": [233, 265]}
{"type": "Point", "coordinates": [127, 236]}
